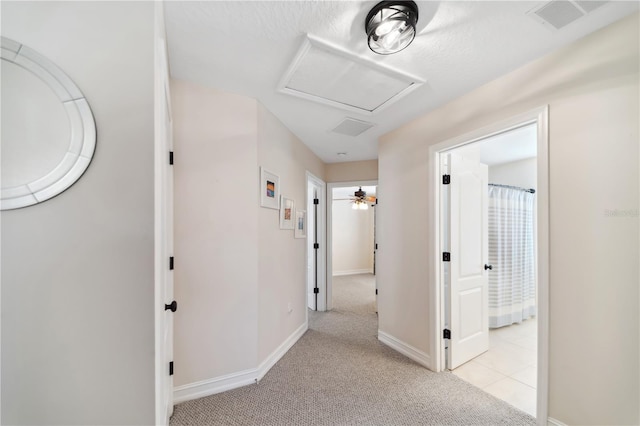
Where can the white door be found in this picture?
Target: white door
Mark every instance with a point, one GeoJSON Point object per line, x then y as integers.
{"type": "Point", "coordinates": [469, 320]}
{"type": "Point", "coordinates": [316, 234]}
{"type": "Point", "coordinates": [164, 237]}
{"type": "Point", "coordinates": [312, 263]}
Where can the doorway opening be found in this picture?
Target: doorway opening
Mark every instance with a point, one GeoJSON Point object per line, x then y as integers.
{"type": "Point", "coordinates": [491, 290]}
{"type": "Point", "coordinates": [351, 245]}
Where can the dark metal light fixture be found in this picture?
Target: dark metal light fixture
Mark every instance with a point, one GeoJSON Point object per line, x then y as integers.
{"type": "Point", "coordinates": [391, 26]}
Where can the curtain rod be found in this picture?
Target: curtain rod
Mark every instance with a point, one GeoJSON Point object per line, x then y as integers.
{"type": "Point", "coordinates": [531, 190]}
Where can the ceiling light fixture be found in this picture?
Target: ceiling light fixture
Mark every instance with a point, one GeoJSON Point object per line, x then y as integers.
{"type": "Point", "coordinates": [391, 26]}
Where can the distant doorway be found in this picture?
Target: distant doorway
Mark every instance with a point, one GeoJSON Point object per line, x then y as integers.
{"type": "Point", "coordinates": [351, 245]}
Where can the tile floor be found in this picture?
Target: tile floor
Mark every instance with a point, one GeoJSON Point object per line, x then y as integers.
{"type": "Point", "coordinates": [508, 369]}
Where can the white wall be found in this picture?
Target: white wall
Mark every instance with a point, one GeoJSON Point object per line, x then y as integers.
{"type": "Point", "coordinates": [216, 232]}
{"type": "Point", "coordinates": [352, 239]}
{"type": "Point", "coordinates": [77, 270]}
{"type": "Point", "coordinates": [352, 171]}
{"type": "Point", "coordinates": [592, 89]}
{"type": "Point", "coordinates": [236, 271]}
{"type": "Point", "coordinates": [281, 258]}
{"type": "Point", "coordinates": [521, 173]}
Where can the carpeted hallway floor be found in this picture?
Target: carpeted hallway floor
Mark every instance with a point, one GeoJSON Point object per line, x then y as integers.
{"type": "Point", "coordinates": [340, 374]}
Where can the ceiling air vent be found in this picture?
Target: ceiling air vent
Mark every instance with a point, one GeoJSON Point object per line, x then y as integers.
{"type": "Point", "coordinates": [352, 127]}
{"type": "Point", "coordinates": [558, 14]}
{"type": "Point", "coordinates": [332, 76]}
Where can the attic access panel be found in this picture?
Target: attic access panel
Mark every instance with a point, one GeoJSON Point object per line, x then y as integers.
{"type": "Point", "coordinates": [332, 76]}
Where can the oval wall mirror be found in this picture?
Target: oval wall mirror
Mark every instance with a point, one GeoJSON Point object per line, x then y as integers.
{"type": "Point", "coordinates": [48, 130]}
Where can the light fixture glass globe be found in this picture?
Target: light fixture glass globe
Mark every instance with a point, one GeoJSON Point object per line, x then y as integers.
{"type": "Point", "coordinates": [391, 26]}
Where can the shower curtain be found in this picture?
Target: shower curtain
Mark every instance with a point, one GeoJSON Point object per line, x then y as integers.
{"type": "Point", "coordinates": [512, 281]}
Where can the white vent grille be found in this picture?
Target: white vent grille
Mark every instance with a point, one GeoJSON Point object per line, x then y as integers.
{"type": "Point", "coordinates": [332, 76]}
{"type": "Point", "coordinates": [352, 127]}
{"type": "Point", "coordinates": [558, 14]}
{"type": "Point", "coordinates": [590, 5]}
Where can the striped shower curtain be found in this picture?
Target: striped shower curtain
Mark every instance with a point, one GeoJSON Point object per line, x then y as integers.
{"type": "Point", "coordinates": [512, 281]}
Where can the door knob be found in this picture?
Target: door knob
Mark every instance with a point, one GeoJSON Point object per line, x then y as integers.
{"type": "Point", "coordinates": [488, 267]}
{"type": "Point", "coordinates": [173, 306]}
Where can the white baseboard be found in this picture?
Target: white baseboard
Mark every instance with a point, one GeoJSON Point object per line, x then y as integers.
{"type": "Point", "coordinates": [235, 380]}
{"type": "Point", "coordinates": [553, 422]}
{"type": "Point", "coordinates": [212, 386]}
{"type": "Point", "coordinates": [405, 349]}
{"type": "Point", "coordinates": [352, 272]}
{"type": "Point", "coordinates": [275, 356]}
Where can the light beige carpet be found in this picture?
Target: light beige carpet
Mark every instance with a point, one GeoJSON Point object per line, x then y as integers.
{"type": "Point", "coordinates": [340, 374]}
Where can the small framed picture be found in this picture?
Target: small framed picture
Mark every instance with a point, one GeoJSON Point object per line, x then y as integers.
{"type": "Point", "coordinates": [269, 189]}
{"type": "Point", "coordinates": [286, 213]}
{"type": "Point", "coordinates": [300, 230]}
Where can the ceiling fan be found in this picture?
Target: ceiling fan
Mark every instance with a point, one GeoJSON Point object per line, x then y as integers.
{"type": "Point", "coordinates": [360, 200]}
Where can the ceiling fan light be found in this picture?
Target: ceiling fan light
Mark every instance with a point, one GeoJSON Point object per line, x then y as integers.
{"type": "Point", "coordinates": [391, 26]}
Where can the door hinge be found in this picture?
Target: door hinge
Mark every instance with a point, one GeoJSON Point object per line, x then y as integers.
{"type": "Point", "coordinates": [171, 263]}
{"type": "Point", "coordinates": [171, 368]}
{"type": "Point", "coordinates": [376, 291]}
{"type": "Point", "coordinates": [316, 245]}
{"type": "Point", "coordinates": [171, 158]}
{"type": "Point", "coordinates": [316, 290]}
{"type": "Point", "coordinates": [376, 246]}
{"type": "Point", "coordinates": [446, 179]}
{"type": "Point", "coordinates": [316, 201]}
{"type": "Point", "coordinates": [446, 333]}
{"type": "Point", "coordinates": [446, 256]}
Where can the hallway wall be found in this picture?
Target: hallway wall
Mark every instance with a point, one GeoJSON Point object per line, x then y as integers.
{"type": "Point", "coordinates": [592, 89]}
{"type": "Point", "coordinates": [237, 273]}
{"type": "Point", "coordinates": [77, 270]}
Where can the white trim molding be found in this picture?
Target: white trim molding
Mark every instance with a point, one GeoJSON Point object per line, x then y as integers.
{"type": "Point", "coordinates": [405, 349]}
{"type": "Point", "coordinates": [212, 386]}
{"type": "Point", "coordinates": [553, 422]}
{"type": "Point", "coordinates": [275, 356]}
{"type": "Point", "coordinates": [238, 379]}
{"type": "Point", "coordinates": [352, 272]}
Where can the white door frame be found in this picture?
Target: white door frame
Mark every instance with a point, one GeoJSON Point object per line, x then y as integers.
{"type": "Point", "coordinates": [330, 188]}
{"type": "Point", "coordinates": [163, 224]}
{"type": "Point", "coordinates": [322, 240]}
{"type": "Point", "coordinates": [540, 116]}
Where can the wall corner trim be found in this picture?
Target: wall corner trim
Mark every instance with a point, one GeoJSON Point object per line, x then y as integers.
{"type": "Point", "coordinates": [275, 356]}
{"type": "Point", "coordinates": [236, 380]}
{"type": "Point", "coordinates": [553, 422]}
{"type": "Point", "coordinates": [405, 349]}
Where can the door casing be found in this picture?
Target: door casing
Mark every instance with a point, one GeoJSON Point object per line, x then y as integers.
{"type": "Point", "coordinates": [540, 116]}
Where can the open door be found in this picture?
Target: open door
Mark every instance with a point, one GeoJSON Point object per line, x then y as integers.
{"type": "Point", "coordinates": [163, 232]}
{"type": "Point", "coordinates": [469, 319]}
{"type": "Point", "coordinates": [316, 243]}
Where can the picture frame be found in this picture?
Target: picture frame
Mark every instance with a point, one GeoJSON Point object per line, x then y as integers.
{"type": "Point", "coordinates": [269, 189]}
{"type": "Point", "coordinates": [287, 213]}
{"type": "Point", "coordinates": [300, 229]}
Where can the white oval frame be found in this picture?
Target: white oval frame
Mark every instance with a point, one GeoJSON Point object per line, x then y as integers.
{"type": "Point", "coordinates": [82, 142]}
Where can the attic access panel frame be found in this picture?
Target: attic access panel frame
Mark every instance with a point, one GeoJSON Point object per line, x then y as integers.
{"type": "Point", "coordinates": [350, 60]}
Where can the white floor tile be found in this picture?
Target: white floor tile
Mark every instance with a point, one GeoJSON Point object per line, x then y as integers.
{"type": "Point", "coordinates": [508, 369]}
{"type": "Point", "coordinates": [477, 374]}
{"type": "Point", "coordinates": [506, 359]}
{"type": "Point", "coordinates": [528, 376]}
{"type": "Point", "coordinates": [515, 393]}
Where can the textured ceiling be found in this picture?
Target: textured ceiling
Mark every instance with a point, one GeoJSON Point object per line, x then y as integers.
{"type": "Point", "coordinates": [246, 47]}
